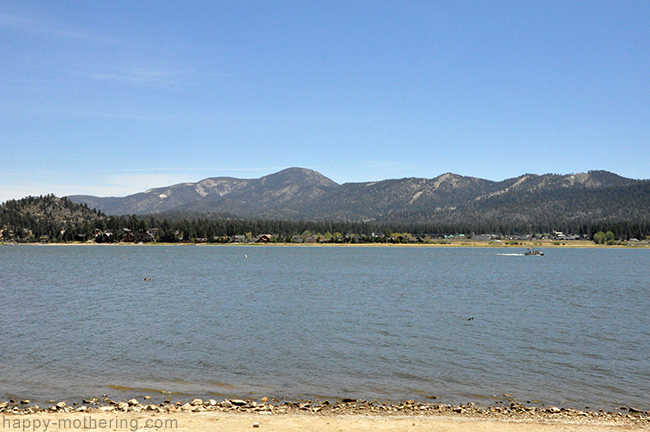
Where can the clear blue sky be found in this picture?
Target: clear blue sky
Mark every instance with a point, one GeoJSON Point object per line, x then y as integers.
{"type": "Point", "coordinates": [116, 97]}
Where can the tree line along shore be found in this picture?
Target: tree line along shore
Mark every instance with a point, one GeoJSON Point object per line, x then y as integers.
{"type": "Point", "coordinates": [50, 219]}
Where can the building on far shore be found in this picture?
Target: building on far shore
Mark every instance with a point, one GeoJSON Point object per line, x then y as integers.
{"type": "Point", "coordinates": [264, 238]}
{"type": "Point", "coordinates": [484, 237]}
{"type": "Point", "coordinates": [559, 235]}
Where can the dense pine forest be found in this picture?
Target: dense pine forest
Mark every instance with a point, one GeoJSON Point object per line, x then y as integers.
{"type": "Point", "coordinates": [53, 220]}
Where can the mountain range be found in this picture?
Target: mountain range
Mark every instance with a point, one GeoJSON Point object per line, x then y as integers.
{"type": "Point", "coordinates": [303, 194]}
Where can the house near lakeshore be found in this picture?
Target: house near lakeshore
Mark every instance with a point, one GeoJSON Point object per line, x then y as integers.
{"type": "Point", "coordinates": [264, 238]}
{"type": "Point", "coordinates": [559, 235]}
{"type": "Point", "coordinates": [103, 236]}
{"type": "Point", "coordinates": [484, 237]}
{"type": "Point", "coordinates": [148, 237]}
{"type": "Point", "coordinates": [128, 236]}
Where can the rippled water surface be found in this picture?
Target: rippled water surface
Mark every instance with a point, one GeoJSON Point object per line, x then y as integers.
{"type": "Point", "coordinates": [393, 323]}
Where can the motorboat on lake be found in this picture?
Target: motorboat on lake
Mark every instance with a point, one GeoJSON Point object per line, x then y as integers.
{"type": "Point", "coordinates": [533, 252]}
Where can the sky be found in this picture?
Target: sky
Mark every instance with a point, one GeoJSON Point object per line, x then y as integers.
{"type": "Point", "coordinates": [111, 98]}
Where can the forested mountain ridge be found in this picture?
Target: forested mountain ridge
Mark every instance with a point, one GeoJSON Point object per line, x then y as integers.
{"type": "Point", "coordinates": [301, 194]}
{"type": "Point", "coordinates": [46, 218]}
{"type": "Point", "coordinates": [571, 210]}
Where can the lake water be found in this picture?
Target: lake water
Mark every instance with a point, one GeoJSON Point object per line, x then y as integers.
{"type": "Point", "coordinates": [388, 323]}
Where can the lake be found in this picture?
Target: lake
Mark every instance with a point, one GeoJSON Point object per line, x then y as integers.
{"type": "Point", "coordinates": [570, 328]}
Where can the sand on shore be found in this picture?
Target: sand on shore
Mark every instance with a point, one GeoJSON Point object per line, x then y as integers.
{"type": "Point", "coordinates": [230, 422]}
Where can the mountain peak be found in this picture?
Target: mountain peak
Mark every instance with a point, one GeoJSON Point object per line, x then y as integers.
{"type": "Point", "coordinates": [299, 175]}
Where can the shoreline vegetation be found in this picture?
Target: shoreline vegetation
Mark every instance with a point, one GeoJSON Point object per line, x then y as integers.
{"type": "Point", "coordinates": [503, 244]}
{"type": "Point", "coordinates": [349, 414]}
{"type": "Point", "coordinates": [58, 220]}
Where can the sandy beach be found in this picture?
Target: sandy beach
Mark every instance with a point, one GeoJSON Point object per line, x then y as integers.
{"type": "Point", "coordinates": [228, 422]}
{"type": "Point", "coordinates": [357, 416]}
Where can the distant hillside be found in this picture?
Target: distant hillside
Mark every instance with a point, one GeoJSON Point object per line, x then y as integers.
{"type": "Point", "coordinates": [302, 194]}
{"type": "Point", "coordinates": [46, 218]}
{"type": "Point", "coordinates": [245, 197]}
{"type": "Point", "coordinates": [532, 199]}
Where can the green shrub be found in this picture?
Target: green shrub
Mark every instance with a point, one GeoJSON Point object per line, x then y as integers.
{"type": "Point", "coordinates": [600, 237]}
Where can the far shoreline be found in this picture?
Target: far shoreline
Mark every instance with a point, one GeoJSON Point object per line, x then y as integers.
{"type": "Point", "coordinates": [495, 244]}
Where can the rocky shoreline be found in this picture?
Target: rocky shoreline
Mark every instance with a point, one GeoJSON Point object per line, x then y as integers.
{"type": "Point", "coordinates": [509, 409]}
